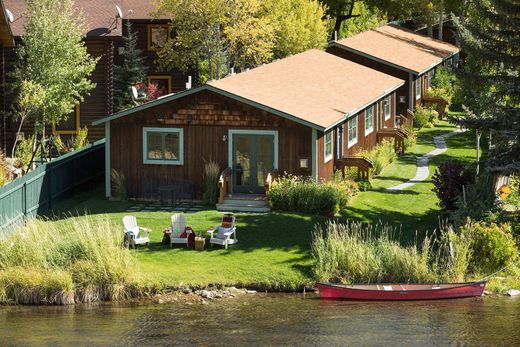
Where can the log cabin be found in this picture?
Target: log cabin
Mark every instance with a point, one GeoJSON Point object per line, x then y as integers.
{"type": "Point", "coordinates": [103, 39]}
{"type": "Point", "coordinates": [402, 53]}
{"type": "Point", "coordinates": [308, 114]}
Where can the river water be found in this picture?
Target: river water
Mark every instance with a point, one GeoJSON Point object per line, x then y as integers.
{"type": "Point", "coordinates": [268, 320]}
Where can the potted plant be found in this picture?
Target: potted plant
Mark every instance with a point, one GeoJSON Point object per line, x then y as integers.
{"type": "Point", "coordinates": [200, 241]}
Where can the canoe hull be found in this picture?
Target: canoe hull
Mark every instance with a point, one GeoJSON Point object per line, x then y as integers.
{"type": "Point", "coordinates": [462, 290]}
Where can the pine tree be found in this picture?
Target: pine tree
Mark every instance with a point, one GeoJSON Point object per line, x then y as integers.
{"type": "Point", "coordinates": [490, 78]}
{"type": "Point", "coordinates": [131, 72]}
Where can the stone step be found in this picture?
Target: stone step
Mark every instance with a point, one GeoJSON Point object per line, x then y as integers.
{"type": "Point", "coordinates": [243, 207]}
{"type": "Point", "coordinates": [231, 201]}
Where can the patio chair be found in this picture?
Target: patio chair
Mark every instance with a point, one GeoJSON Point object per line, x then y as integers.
{"type": "Point", "coordinates": [226, 232]}
{"type": "Point", "coordinates": [180, 232]}
{"type": "Point", "coordinates": [134, 234]}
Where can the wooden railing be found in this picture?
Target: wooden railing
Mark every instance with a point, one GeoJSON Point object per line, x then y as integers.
{"type": "Point", "coordinates": [224, 184]}
{"type": "Point", "coordinates": [271, 177]}
{"type": "Point", "coordinates": [363, 164]}
{"type": "Point", "coordinates": [439, 102]}
{"type": "Point", "coordinates": [394, 133]}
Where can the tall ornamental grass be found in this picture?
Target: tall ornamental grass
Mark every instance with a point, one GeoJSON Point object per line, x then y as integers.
{"type": "Point", "coordinates": [381, 155]}
{"type": "Point", "coordinates": [352, 253]}
{"type": "Point", "coordinates": [75, 260]}
{"type": "Point", "coordinates": [293, 193]}
{"type": "Point", "coordinates": [211, 176]}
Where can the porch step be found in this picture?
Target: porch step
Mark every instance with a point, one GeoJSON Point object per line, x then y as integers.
{"type": "Point", "coordinates": [242, 208]}
{"type": "Point", "coordinates": [244, 203]}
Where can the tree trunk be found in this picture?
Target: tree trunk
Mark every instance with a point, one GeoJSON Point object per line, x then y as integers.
{"type": "Point", "coordinates": [478, 151]}
{"type": "Point", "coordinates": [430, 30]}
{"type": "Point", "coordinates": [17, 135]}
{"type": "Point", "coordinates": [441, 13]}
{"type": "Point", "coordinates": [337, 27]}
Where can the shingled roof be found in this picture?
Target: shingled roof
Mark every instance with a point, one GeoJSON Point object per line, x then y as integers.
{"type": "Point", "coordinates": [99, 15]}
{"type": "Point", "coordinates": [314, 88]}
{"type": "Point", "coordinates": [399, 47]}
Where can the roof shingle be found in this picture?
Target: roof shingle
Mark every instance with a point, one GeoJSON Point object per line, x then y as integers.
{"type": "Point", "coordinates": [400, 47]}
{"type": "Point", "coordinates": [314, 86]}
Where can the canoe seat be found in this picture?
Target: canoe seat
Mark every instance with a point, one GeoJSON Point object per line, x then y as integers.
{"type": "Point", "coordinates": [387, 288]}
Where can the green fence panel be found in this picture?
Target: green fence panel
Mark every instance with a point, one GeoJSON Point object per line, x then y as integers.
{"type": "Point", "coordinates": [35, 193]}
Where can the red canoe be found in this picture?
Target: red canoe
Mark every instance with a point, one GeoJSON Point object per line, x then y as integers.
{"type": "Point", "coordinates": [400, 291]}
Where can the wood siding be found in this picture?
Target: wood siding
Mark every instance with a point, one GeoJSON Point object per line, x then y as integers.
{"type": "Point", "coordinates": [211, 117]}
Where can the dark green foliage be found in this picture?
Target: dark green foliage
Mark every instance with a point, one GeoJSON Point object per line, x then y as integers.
{"type": "Point", "coordinates": [448, 181]}
{"type": "Point", "coordinates": [480, 203]}
{"type": "Point", "coordinates": [491, 76]}
{"type": "Point", "coordinates": [131, 72]}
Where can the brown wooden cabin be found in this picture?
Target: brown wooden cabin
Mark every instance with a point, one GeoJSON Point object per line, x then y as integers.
{"type": "Point", "coordinates": [401, 53]}
{"type": "Point", "coordinates": [6, 44]}
{"type": "Point", "coordinates": [308, 114]}
{"type": "Point", "coordinates": [103, 39]}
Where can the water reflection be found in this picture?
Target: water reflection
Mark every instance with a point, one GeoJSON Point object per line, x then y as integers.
{"type": "Point", "coordinates": [268, 320]}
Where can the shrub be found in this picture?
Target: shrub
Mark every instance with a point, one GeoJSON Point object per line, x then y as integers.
{"type": "Point", "coordinates": [351, 253]}
{"type": "Point", "coordinates": [444, 84]}
{"type": "Point", "coordinates": [514, 198]}
{"type": "Point", "coordinates": [4, 179]}
{"type": "Point", "coordinates": [119, 184]}
{"type": "Point", "coordinates": [292, 193]}
{"type": "Point", "coordinates": [480, 203]}
{"type": "Point", "coordinates": [425, 117]}
{"type": "Point", "coordinates": [74, 260]}
{"type": "Point", "coordinates": [448, 181]}
{"type": "Point", "coordinates": [211, 176]}
{"type": "Point", "coordinates": [24, 151]}
{"type": "Point", "coordinates": [411, 140]}
{"type": "Point", "coordinates": [80, 140]}
{"type": "Point", "coordinates": [381, 155]}
{"type": "Point", "coordinates": [493, 246]}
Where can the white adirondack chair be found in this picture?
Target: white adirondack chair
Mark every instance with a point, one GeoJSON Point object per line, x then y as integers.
{"type": "Point", "coordinates": [134, 234]}
{"type": "Point", "coordinates": [178, 227]}
{"type": "Point", "coordinates": [226, 232]}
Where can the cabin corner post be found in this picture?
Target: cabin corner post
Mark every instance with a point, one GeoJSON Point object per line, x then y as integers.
{"type": "Point", "coordinates": [314, 140]}
{"type": "Point", "coordinates": [107, 160]}
{"type": "Point", "coordinates": [411, 94]}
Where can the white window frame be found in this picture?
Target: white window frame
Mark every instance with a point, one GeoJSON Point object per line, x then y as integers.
{"type": "Point", "coordinates": [352, 141]}
{"type": "Point", "coordinates": [147, 130]}
{"type": "Point", "coordinates": [371, 129]}
{"type": "Point", "coordinates": [328, 157]}
{"type": "Point", "coordinates": [418, 83]}
{"type": "Point", "coordinates": [431, 74]}
{"type": "Point", "coordinates": [387, 104]}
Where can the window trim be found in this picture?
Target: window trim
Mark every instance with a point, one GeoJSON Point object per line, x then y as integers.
{"type": "Point", "coordinates": [77, 113]}
{"type": "Point", "coordinates": [371, 130]}
{"type": "Point", "coordinates": [387, 100]}
{"type": "Point", "coordinates": [327, 158]}
{"type": "Point", "coordinates": [352, 142]}
{"type": "Point", "coordinates": [418, 82]}
{"type": "Point", "coordinates": [149, 35]}
{"type": "Point", "coordinates": [161, 77]}
{"type": "Point", "coordinates": [180, 161]}
{"type": "Point", "coordinates": [431, 74]}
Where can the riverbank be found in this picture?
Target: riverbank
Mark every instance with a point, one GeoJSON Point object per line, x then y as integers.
{"type": "Point", "coordinates": [274, 249]}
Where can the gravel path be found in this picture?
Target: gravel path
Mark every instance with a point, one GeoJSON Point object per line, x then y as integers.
{"type": "Point", "coordinates": [423, 162]}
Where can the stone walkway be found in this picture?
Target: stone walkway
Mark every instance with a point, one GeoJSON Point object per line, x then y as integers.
{"type": "Point", "coordinates": [185, 206]}
{"type": "Point", "coordinates": [423, 171]}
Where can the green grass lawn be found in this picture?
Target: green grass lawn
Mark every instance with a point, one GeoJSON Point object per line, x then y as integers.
{"type": "Point", "coordinates": [274, 248]}
{"type": "Point", "coordinates": [414, 209]}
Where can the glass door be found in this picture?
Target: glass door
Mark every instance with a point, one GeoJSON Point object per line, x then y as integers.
{"type": "Point", "coordinates": [253, 159]}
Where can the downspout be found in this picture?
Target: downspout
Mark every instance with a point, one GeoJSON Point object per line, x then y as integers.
{"type": "Point", "coordinates": [107, 160]}
{"type": "Point", "coordinates": [411, 94]}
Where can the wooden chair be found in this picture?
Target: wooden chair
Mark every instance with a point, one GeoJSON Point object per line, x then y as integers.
{"type": "Point", "coordinates": [134, 234]}
{"type": "Point", "coordinates": [178, 228]}
{"type": "Point", "coordinates": [226, 232]}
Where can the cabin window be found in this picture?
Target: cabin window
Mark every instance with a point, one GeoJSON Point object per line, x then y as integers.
{"type": "Point", "coordinates": [69, 126]}
{"type": "Point", "coordinates": [386, 107]}
{"type": "Point", "coordinates": [162, 85]}
{"type": "Point", "coordinates": [431, 73]}
{"type": "Point", "coordinates": [163, 146]}
{"type": "Point", "coordinates": [158, 35]}
{"type": "Point", "coordinates": [328, 146]}
{"type": "Point", "coordinates": [418, 88]}
{"type": "Point", "coordinates": [369, 120]}
{"type": "Point", "coordinates": [352, 131]}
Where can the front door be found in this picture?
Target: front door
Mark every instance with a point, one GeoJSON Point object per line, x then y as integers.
{"type": "Point", "coordinates": [253, 159]}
